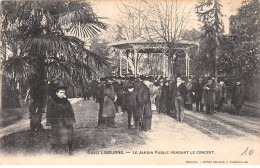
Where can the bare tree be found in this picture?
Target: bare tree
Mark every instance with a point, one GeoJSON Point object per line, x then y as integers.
{"type": "Point", "coordinates": [131, 19]}
{"type": "Point", "coordinates": [167, 20]}
{"type": "Point", "coordinates": [157, 21]}
{"type": "Point", "coordinates": [132, 25]}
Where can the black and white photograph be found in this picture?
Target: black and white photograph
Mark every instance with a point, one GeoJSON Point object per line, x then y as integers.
{"type": "Point", "coordinates": [130, 82]}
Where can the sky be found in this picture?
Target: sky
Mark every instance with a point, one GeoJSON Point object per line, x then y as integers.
{"type": "Point", "coordinates": [109, 9]}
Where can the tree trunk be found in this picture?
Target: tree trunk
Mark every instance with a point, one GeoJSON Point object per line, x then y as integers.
{"type": "Point", "coordinates": [169, 65]}
{"type": "Point", "coordinates": [1, 91]}
{"type": "Point", "coordinates": [1, 77]}
{"type": "Point", "coordinates": [39, 99]}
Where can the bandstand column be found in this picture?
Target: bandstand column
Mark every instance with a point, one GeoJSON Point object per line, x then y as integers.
{"type": "Point", "coordinates": [169, 67]}
{"type": "Point", "coordinates": [127, 56]}
{"type": "Point", "coordinates": [187, 58]}
{"type": "Point", "coordinates": [164, 63]}
{"type": "Point", "coordinates": [120, 62]}
{"type": "Point", "coordinates": [135, 61]}
{"type": "Point", "coordinates": [188, 65]}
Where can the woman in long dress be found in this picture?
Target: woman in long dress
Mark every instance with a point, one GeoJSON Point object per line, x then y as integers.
{"type": "Point", "coordinates": [109, 110]}
{"type": "Point", "coordinates": [164, 98]}
{"type": "Point", "coordinates": [189, 87]}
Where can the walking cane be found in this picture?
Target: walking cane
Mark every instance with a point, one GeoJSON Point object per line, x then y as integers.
{"type": "Point", "coordinates": [231, 108]}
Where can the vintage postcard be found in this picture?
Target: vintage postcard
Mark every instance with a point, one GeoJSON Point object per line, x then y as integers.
{"type": "Point", "coordinates": [140, 82]}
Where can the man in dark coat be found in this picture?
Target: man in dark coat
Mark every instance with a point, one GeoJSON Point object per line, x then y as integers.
{"type": "Point", "coordinates": [221, 94]}
{"type": "Point", "coordinates": [172, 92]}
{"type": "Point", "coordinates": [100, 99]}
{"type": "Point", "coordinates": [87, 91]}
{"type": "Point", "coordinates": [130, 103]}
{"type": "Point", "coordinates": [238, 94]}
{"type": "Point", "coordinates": [180, 94]}
{"type": "Point", "coordinates": [116, 87]}
{"type": "Point", "coordinates": [60, 116]}
{"type": "Point", "coordinates": [198, 90]}
{"type": "Point", "coordinates": [119, 91]}
{"type": "Point", "coordinates": [189, 97]}
{"type": "Point", "coordinates": [125, 82]}
{"type": "Point", "coordinates": [94, 88]}
{"type": "Point", "coordinates": [164, 98]}
{"type": "Point", "coordinates": [144, 111]}
{"type": "Point", "coordinates": [209, 96]}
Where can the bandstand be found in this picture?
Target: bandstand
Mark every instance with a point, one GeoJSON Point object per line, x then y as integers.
{"type": "Point", "coordinates": [149, 47]}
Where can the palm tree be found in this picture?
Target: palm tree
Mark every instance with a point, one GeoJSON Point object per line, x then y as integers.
{"type": "Point", "coordinates": [45, 41]}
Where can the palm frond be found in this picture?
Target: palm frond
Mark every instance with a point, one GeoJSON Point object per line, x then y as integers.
{"type": "Point", "coordinates": [81, 20]}
{"type": "Point", "coordinates": [2, 51]}
{"type": "Point", "coordinates": [47, 44]}
{"type": "Point", "coordinates": [74, 40]}
{"type": "Point", "coordinates": [19, 67]}
{"type": "Point", "coordinates": [58, 68]}
{"type": "Point", "coordinates": [69, 68]}
{"type": "Point", "coordinates": [97, 58]}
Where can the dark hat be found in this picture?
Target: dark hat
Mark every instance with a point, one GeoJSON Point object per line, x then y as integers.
{"type": "Point", "coordinates": [132, 78]}
{"type": "Point", "coordinates": [150, 78]}
{"type": "Point", "coordinates": [220, 79]}
{"type": "Point", "coordinates": [109, 79]}
{"type": "Point", "coordinates": [181, 77]}
{"type": "Point", "coordinates": [114, 77]}
{"type": "Point", "coordinates": [102, 79]}
{"type": "Point", "coordinates": [238, 79]}
{"type": "Point", "coordinates": [130, 85]}
{"type": "Point", "coordinates": [142, 77]}
{"type": "Point", "coordinates": [178, 75]}
{"type": "Point", "coordinates": [209, 78]}
{"type": "Point", "coordinates": [60, 86]}
{"type": "Point", "coordinates": [145, 78]}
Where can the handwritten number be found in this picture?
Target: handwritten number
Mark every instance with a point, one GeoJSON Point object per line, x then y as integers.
{"type": "Point", "coordinates": [250, 152]}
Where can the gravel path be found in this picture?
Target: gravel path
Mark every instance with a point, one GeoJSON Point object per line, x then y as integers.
{"type": "Point", "coordinates": [220, 133]}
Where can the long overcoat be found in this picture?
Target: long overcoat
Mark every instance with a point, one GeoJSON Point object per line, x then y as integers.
{"type": "Point", "coordinates": [164, 99]}
{"type": "Point", "coordinates": [198, 89]}
{"type": "Point", "coordinates": [130, 98]}
{"type": "Point", "coordinates": [209, 96]}
{"type": "Point", "coordinates": [143, 99]}
{"type": "Point", "coordinates": [94, 87]}
{"type": "Point", "coordinates": [100, 99]}
{"type": "Point", "coordinates": [221, 92]}
{"type": "Point", "coordinates": [238, 94]}
{"type": "Point", "coordinates": [190, 89]}
{"type": "Point", "coordinates": [172, 92]}
{"type": "Point", "coordinates": [60, 116]}
{"type": "Point", "coordinates": [109, 109]}
{"type": "Point", "coordinates": [87, 90]}
{"type": "Point", "coordinates": [130, 102]}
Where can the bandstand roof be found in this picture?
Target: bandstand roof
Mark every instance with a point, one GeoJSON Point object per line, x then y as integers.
{"type": "Point", "coordinates": [151, 45]}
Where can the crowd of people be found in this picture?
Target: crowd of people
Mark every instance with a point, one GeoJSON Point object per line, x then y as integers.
{"type": "Point", "coordinates": [139, 97]}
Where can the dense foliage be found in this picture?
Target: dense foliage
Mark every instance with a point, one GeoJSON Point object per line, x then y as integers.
{"type": "Point", "coordinates": [209, 13]}
{"type": "Point", "coordinates": [44, 42]}
{"type": "Point", "coordinates": [240, 56]}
